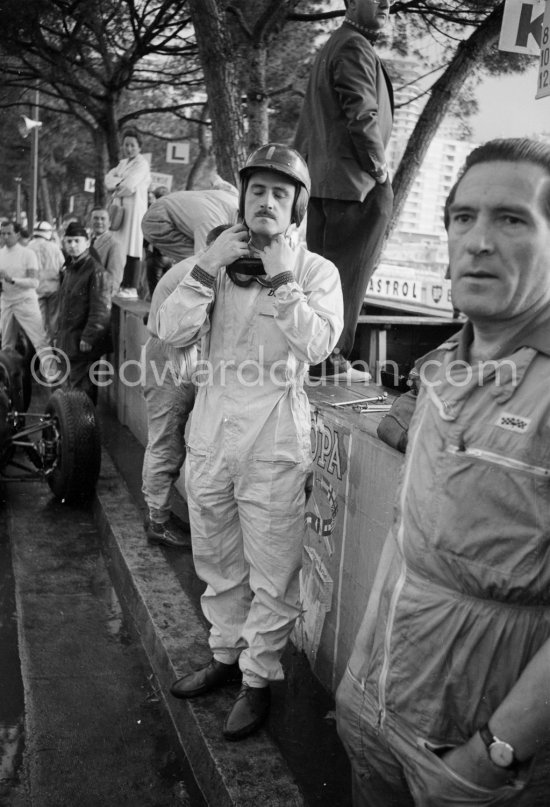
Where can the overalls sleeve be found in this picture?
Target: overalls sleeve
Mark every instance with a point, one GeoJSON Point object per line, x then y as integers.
{"type": "Point", "coordinates": [310, 310]}
{"type": "Point", "coordinates": [184, 317]}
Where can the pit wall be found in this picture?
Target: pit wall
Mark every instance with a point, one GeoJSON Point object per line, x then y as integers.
{"type": "Point", "coordinates": [347, 515]}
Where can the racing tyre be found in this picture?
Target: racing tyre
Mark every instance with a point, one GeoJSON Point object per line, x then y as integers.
{"type": "Point", "coordinates": [12, 379]}
{"type": "Point", "coordinates": [78, 446]}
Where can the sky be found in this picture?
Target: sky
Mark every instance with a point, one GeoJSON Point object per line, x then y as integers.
{"type": "Point", "coordinates": [508, 107]}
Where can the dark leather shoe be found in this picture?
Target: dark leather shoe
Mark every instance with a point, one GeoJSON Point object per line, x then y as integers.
{"type": "Point", "coordinates": [247, 714]}
{"type": "Point", "coordinates": [167, 534]}
{"type": "Point", "coordinates": [208, 677]}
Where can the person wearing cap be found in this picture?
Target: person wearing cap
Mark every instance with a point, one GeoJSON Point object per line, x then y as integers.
{"type": "Point", "coordinates": [50, 261]}
{"type": "Point", "coordinates": [343, 132]}
{"type": "Point", "coordinates": [108, 249]}
{"type": "Point", "coordinates": [19, 308]}
{"type": "Point", "coordinates": [265, 308]}
{"type": "Point", "coordinates": [84, 311]}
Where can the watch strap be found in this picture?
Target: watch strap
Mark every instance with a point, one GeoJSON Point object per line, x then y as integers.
{"type": "Point", "coordinates": [487, 735]}
{"type": "Point", "coordinates": [493, 743]}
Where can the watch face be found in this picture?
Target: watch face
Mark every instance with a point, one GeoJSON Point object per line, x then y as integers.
{"type": "Point", "coordinates": [502, 754]}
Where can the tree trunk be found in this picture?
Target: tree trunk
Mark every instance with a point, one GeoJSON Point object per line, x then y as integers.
{"type": "Point", "coordinates": [45, 198]}
{"type": "Point", "coordinates": [224, 101]}
{"type": "Point", "coordinates": [110, 134]}
{"type": "Point", "coordinates": [205, 162]}
{"type": "Point", "coordinates": [100, 192]}
{"type": "Point", "coordinates": [468, 54]}
{"type": "Point", "coordinates": [256, 98]}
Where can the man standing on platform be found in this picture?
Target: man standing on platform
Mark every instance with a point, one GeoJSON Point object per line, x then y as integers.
{"type": "Point", "coordinates": [343, 131]}
{"type": "Point", "coordinates": [446, 697]}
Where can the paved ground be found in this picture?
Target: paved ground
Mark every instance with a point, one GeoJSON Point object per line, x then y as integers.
{"type": "Point", "coordinates": [93, 732]}
{"type": "Point", "coordinates": [298, 759]}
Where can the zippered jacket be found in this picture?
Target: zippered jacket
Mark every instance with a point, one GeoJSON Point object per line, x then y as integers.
{"type": "Point", "coordinates": [85, 308]}
{"type": "Point", "coordinates": [256, 344]}
{"type": "Point", "coordinates": [461, 601]}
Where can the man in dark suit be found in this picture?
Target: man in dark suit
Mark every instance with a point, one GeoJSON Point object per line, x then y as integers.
{"type": "Point", "coordinates": [343, 131]}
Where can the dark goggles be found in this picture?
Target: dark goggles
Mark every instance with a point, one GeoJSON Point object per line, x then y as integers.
{"type": "Point", "coordinates": [251, 268]}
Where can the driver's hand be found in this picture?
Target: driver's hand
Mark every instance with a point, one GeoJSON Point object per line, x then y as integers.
{"type": "Point", "coordinates": [228, 246]}
{"type": "Point", "coordinates": [472, 762]}
{"type": "Point", "coordinates": [85, 347]}
{"type": "Point", "coordinates": [280, 255]}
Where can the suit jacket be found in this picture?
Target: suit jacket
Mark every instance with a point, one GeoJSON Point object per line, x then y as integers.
{"type": "Point", "coordinates": [346, 118]}
{"type": "Point", "coordinates": [112, 256]}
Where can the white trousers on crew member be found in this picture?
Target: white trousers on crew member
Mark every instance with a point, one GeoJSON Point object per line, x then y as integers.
{"type": "Point", "coordinates": [247, 529]}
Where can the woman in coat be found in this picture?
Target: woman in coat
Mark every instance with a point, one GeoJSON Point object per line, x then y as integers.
{"type": "Point", "coordinates": [129, 182]}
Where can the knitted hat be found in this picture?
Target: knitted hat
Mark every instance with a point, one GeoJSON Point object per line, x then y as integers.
{"type": "Point", "coordinates": [76, 229]}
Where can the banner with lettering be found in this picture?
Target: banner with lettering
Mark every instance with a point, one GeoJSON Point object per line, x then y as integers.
{"type": "Point", "coordinates": [409, 290]}
{"type": "Point", "coordinates": [324, 521]}
{"type": "Point", "coordinates": [521, 30]}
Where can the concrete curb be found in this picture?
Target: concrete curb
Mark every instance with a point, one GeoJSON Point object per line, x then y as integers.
{"type": "Point", "coordinates": [249, 773]}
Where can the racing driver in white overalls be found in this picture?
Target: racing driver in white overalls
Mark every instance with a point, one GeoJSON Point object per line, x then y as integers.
{"type": "Point", "coordinates": [249, 448]}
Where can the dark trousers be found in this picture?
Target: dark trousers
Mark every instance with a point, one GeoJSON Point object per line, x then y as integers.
{"type": "Point", "coordinates": [130, 278]}
{"type": "Point", "coordinates": [79, 376]}
{"type": "Point", "coordinates": [157, 265]}
{"type": "Point", "coordinates": [351, 235]}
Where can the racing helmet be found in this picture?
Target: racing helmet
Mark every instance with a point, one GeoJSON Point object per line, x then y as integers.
{"type": "Point", "coordinates": [283, 160]}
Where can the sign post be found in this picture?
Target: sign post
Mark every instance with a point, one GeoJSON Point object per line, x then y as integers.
{"type": "Point", "coordinates": [522, 25]}
{"type": "Point", "coordinates": [543, 86]}
{"type": "Point", "coordinates": [177, 153]}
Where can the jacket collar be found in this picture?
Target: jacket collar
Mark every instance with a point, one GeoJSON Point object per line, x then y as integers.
{"type": "Point", "coordinates": [75, 263]}
{"type": "Point", "coordinates": [370, 33]}
{"type": "Point", "coordinates": [535, 335]}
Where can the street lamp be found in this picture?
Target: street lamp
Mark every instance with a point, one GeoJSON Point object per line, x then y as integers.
{"type": "Point", "coordinates": [31, 126]}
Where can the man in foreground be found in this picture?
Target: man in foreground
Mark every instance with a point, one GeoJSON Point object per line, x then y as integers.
{"type": "Point", "coordinates": [446, 697]}
{"type": "Point", "coordinates": [262, 322]}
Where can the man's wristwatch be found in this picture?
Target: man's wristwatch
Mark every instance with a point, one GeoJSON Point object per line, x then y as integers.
{"type": "Point", "coordinates": [500, 753]}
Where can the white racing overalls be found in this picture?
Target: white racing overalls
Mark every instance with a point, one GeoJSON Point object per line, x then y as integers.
{"type": "Point", "coordinates": [249, 448]}
{"type": "Point", "coordinates": [169, 394]}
